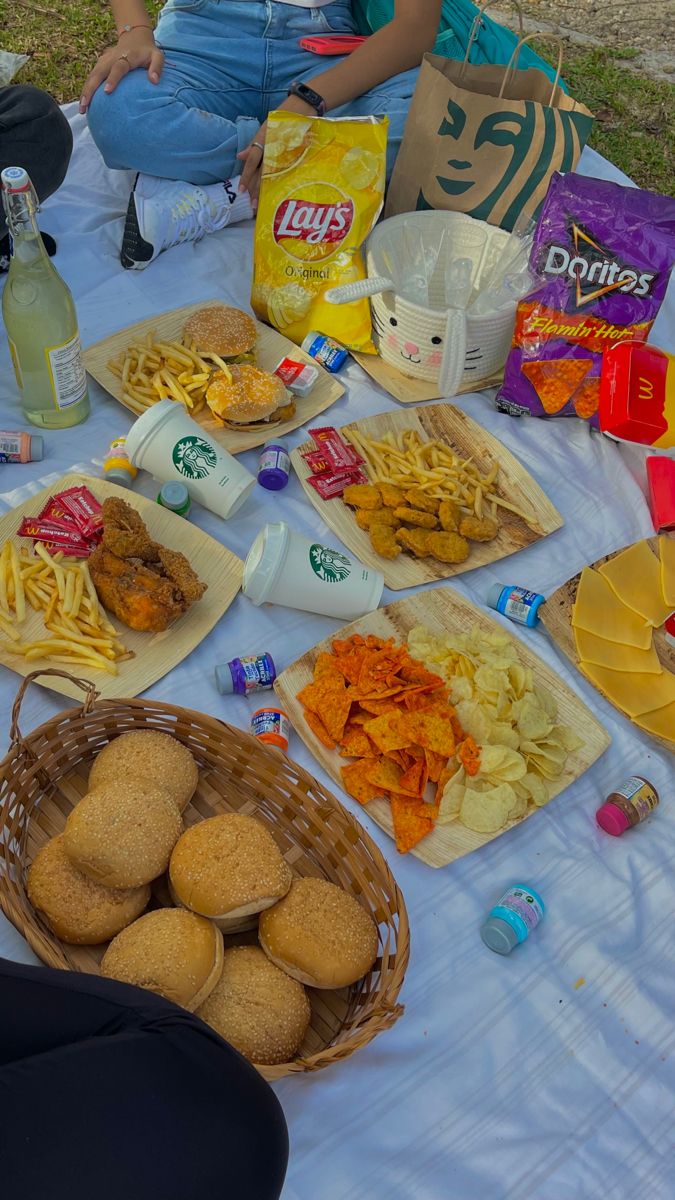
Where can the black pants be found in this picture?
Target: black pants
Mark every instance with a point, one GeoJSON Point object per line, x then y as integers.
{"type": "Point", "coordinates": [108, 1092]}
{"type": "Point", "coordinates": [34, 134]}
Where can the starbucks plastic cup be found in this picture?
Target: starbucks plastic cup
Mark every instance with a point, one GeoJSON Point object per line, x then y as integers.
{"type": "Point", "coordinates": [284, 568]}
{"type": "Point", "coordinates": [166, 442]}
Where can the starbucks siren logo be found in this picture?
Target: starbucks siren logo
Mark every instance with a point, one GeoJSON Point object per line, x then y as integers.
{"type": "Point", "coordinates": [194, 457]}
{"type": "Point", "coordinates": [329, 565]}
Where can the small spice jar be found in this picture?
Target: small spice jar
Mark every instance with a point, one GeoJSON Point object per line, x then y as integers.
{"type": "Point", "coordinates": [251, 673]}
{"type": "Point", "coordinates": [629, 805]}
{"type": "Point", "coordinates": [175, 497]}
{"type": "Point", "coordinates": [274, 465]}
{"type": "Point", "coordinates": [272, 727]}
{"type": "Point", "coordinates": [116, 465]}
{"type": "Point", "coordinates": [512, 919]}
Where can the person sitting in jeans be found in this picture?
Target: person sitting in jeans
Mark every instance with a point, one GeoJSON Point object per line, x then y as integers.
{"type": "Point", "coordinates": [34, 134]}
{"type": "Point", "coordinates": [186, 106]}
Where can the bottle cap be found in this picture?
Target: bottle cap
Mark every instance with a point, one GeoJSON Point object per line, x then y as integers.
{"type": "Point", "coordinates": [37, 447]}
{"type": "Point", "coordinates": [309, 340]}
{"type": "Point", "coordinates": [612, 819]}
{"type": "Point", "coordinates": [175, 497]}
{"type": "Point", "coordinates": [224, 680]}
{"type": "Point", "coordinates": [120, 476]}
{"type": "Point", "coordinates": [499, 936]}
{"type": "Point", "coordinates": [493, 594]}
{"type": "Point", "coordinates": [15, 179]}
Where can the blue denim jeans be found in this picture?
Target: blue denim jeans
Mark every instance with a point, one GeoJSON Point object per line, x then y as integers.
{"type": "Point", "coordinates": [227, 64]}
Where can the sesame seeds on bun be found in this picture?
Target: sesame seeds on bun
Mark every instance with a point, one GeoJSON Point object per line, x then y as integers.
{"type": "Point", "coordinates": [171, 952]}
{"type": "Point", "coordinates": [261, 1011]}
{"type": "Point", "coordinates": [228, 868]}
{"type": "Point", "coordinates": [248, 396]}
{"type": "Point", "coordinates": [75, 908]}
{"type": "Point", "coordinates": [225, 331]}
{"type": "Point", "coordinates": [122, 833]}
{"type": "Point", "coordinates": [319, 935]}
{"type": "Point", "coordinates": [148, 754]}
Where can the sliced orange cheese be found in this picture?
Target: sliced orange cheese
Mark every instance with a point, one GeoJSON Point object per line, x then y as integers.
{"type": "Point", "coordinates": [599, 611]}
{"type": "Point", "coordinates": [633, 694]}
{"type": "Point", "coordinates": [660, 722]}
{"type": "Point", "coordinates": [667, 556]}
{"type": "Point", "coordinates": [634, 576]}
{"type": "Point", "coordinates": [601, 653]}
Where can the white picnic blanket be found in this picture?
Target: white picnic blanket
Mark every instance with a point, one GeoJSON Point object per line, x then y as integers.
{"type": "Point", "coordinates": [547, 1075]}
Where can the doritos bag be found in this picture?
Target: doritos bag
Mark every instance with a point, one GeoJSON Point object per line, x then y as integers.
{"type": "Point", "coordinates": [321, 194]}
{"type": "Point", "coordinates": [602, 255]}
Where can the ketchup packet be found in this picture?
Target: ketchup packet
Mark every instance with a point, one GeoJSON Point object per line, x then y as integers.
{"type": "Point", "coordinates": [602, 255]}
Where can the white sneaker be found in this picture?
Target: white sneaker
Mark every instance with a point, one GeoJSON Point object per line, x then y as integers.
{"type": "Point", "coordinates": [165, 212]}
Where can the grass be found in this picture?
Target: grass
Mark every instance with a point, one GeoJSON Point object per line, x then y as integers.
{"type": "Point", "coordinates": [635, 116]}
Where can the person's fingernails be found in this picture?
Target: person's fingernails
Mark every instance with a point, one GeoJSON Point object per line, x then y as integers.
{"type": "Point", "coordinates": [242, 187]}
{"type": "Point", "coordinates": [108, 87]}
{"type": "Point", "coordinates": [154, 77]}
{"type": "Point", "coordinates": [83, 104]}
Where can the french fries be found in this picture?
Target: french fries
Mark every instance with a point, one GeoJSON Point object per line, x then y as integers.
{"type": "Point", "coordinates": [152, 371]}
{"type": "Point", "coordinates": [76, 630]}
{"type": "Point", "coordinates": [407, 462]}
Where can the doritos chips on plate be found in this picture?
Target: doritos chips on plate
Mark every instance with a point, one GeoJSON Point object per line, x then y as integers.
{"type": "Point", "coordinates": [602, 255]}
{"type": "Point", "coordinates": [321, 194]}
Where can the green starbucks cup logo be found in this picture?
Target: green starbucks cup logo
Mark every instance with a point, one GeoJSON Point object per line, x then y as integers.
{"type": "Point", "coordinates": [329, 565]}
{"type": "Point", "coordinates": [194, 457]}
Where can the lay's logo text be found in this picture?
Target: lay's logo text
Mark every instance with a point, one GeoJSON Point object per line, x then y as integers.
{"type": "Point", "coordinates": [312, 222]}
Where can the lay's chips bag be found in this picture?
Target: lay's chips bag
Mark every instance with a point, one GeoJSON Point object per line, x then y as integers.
{"type": "Point", "coordinates": [322, 191]}
{"type": "Point", "coordinates": [602, 255]}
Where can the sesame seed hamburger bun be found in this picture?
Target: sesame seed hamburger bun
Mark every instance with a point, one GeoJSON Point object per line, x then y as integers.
{"type": "Point", "coordinates": [258, 1009]}
{"type": "Point", "coordinates": [319, 934]}
{"type": "Point", "coordinates": [75, 908]}
{"type": "Point", "coordinates": [248, 397]}
{"type": "Point", "coordinates": [228, 868]}
{"type": "Point", "coordinates": [227, 332]}
{"type": "Point", "coordinates": [171, 952]}
{"type": "Point", "coordinates": [122, 833]}
{"type": "Point", "coordinates": [148, 754]}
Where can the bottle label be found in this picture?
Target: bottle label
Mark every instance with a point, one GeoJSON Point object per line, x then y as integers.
{"type": "Point", "coordinates": [274, 460]}
{"type": "Point", "coordinates": [68, 376]}
{"type": "Point", "coordinates": [524, 903]}
{"type": "Point", "coordinates": [258, 673]}
{"type": "Point", "coordinates": [14, 355]}
{"type": "Point", "coordinates": [640, 796]}
{"type": "Point", "coordinates": [329, 353]}
{"type": "Point", "coordinates": [518, 605]}
{"type": "Point", "coordinates": [271, 721]}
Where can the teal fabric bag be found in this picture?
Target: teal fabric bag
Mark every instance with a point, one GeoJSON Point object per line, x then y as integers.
{"type": "Point", "coordinates": [493, 43]}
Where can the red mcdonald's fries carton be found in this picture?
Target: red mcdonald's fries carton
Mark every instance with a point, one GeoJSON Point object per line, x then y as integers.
{"type": "Point", "coordinates": [637, 394]}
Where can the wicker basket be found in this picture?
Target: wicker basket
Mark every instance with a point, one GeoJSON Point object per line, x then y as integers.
{"type": "Point", "coordinates": [45, 774]}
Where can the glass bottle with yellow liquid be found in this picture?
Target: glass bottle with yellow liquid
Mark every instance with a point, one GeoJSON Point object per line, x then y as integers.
{"type": "Point", "coordinates": [40, 318]}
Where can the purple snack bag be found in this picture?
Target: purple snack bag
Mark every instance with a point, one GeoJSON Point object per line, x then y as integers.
{"type": "Point", "coordinates": [602, 255]}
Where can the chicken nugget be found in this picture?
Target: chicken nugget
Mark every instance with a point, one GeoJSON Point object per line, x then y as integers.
{"type": "Point", "coordinates": [362, 495]}
{"type": "Point", "coordinates": [412, 516]}
{"type": "Point", "coordinates": [479, 529]}
{"type": "Point", "coordinates": [383, 539]}
{"type": "Point", "coordinates": [365, 517]}
{"type": "Point", "coordinates": [391, 496]}
{"type": "Point", "coordinates": [416, 540]}
{"type": "Point", "coordinates": [448, 547]}
{"type": "Point", "coordinates": [417, 498]}
{"type": "Point", "coordinates": [449, 515]}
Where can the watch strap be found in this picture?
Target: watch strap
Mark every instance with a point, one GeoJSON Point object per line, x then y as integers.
{"type": "Point", "coordinates": [306, 93]}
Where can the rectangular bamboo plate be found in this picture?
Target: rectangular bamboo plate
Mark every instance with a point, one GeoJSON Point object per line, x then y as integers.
{"type": "Point", "coordinates": [556, 616]}
{"type": "Point", "coordinates": [447, 424]}
{"type": "Point", "coordinates": [443, 611]}
{"type": "Point", "coordinates": [270, 348]}
{"type": "Point", "coordinates": [155, 653]}
{"type": "Point", "coordinates": [407, 390]}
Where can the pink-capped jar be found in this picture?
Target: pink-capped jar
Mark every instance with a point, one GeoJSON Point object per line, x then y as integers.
{"type": "Point", "coordinates": [629, 805]}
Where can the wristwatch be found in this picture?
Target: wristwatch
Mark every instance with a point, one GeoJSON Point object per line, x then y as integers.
{"type": "Point", "coordinates": [309, 96]}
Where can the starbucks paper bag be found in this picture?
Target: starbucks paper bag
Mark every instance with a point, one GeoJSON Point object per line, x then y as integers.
{"type": "Point", "coordinates": [485, 140]}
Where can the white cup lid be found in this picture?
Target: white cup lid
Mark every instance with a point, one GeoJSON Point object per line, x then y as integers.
{"type": "Point", "coordinates": [264, 561]}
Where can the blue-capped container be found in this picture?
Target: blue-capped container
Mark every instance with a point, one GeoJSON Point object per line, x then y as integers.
{"type": "Point", "coordinates": [516, 603]}
{"type": "Point", "coordinates": [331, 354]}
{"type": "Point", "coordinates": [512, 919]}
{"type": "Point", "coordinates": [175, 497]}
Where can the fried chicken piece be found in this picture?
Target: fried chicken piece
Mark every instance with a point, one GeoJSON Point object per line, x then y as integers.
{"type": "Point", "coordinates": [416, 540]}
{"type": "Point", "coordinates": [417, 498]}
{"type": "Point", "coordinates": [412, 516]}
{"type": "Point", "coordinates": [141, 598]}
{"type": "Point", "coordinates": [362, 495]}
{"type": "Point", "coordinates": [178, 570]}
{"type": "Point", "coordinates": [449, 515]}
{"type": "Point", "coordinates": [365, 517]}
{"type": "Point", "coordinates": [125, 533]}
{"type": "Point", "coordinates": [383, 539]}
{"type": "Point", "coordinates": [391, 496]}
{"type": "Point", "coordinates": [479, 529]}
{"type": "Point", "coordinates": [448, 547]}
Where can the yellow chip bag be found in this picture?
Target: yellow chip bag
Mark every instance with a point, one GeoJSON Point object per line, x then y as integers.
{"type": "Point", "coordinates": [322, 191]}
